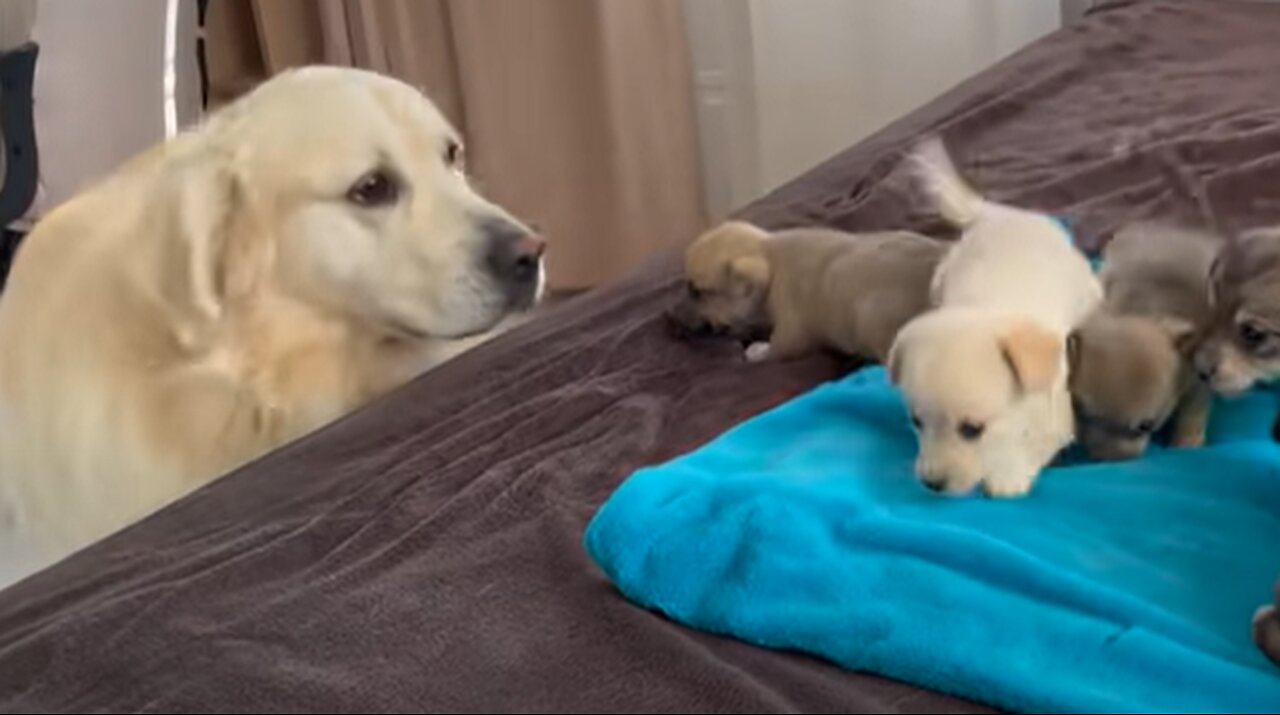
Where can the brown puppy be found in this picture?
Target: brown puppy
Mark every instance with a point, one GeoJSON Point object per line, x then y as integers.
{"type": "Point", "coordinates": [806, 289]}
{"type": "Point", "coordinates": [1131, 370]}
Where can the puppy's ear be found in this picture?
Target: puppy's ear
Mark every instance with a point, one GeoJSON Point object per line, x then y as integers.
{"type": "Point", "coordinates": [1032, 354]}
{"type": "Point", "coordinates": [752, 269]}
{"type": "Point", "coordinates": [208, 255]}
{"type": "Point", "coordinates": [1181, 332]}
{"type": "Point", "coordinates": [895, 360]}
{"type": "Point", "coordinates": [1075, 350]}
{"type": "Point", "coordinates": [1216, 270]}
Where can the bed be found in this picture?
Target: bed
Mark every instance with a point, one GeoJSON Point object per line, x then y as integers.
{"type": "Point", "coordinates": [425, 555]}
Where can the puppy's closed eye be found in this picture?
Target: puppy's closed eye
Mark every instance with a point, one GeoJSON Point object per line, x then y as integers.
{"type": "Point", "coordinates": [693, 291]}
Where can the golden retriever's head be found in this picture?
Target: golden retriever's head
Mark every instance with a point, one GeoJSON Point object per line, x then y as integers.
{"type": "Point", "coordinates": [973, 380]}
{"type": "Point", "coordinates": [346, 190]}
{"type": "Point", "coordinates": [727, 281]}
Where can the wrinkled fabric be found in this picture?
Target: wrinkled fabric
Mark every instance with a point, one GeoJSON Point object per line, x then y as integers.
{"type": "Point", "coordinates": [425, 554]}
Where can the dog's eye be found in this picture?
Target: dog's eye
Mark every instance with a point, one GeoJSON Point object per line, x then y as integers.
{"type": "Point", "coordinates": [376, 188]}
{"type": "Point", "coordinates": [454, 157]}
{"type": "Point", "coordinates": [1251, 335]}
{"type": "Point", "coordinates": [971, 431]}
{"type": "Point", "coordinates": [694, 291]}
{"type": "Point", "coordinates": [917, 422]}
{"type": "Point", "coordinates": [1145, 427]}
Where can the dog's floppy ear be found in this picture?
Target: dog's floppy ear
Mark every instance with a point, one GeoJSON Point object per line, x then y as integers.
{"type": "Point", "coordinates": [1182, 332]}
{"type": "Point", "coordinates": [894, 362]}
{"type": "Point", "coordinates": [1033, 355]}
{"type": "Point", "coordinates": [752, 268]}
{"type": "Point", "coordinates": [1248, 254]}
{"type": "Point", "coordinates": [206, 254]}
{"type": "Point", "coordinates": [1075, 350]}
{"type": "Point", "coordinates": [1216, 270]}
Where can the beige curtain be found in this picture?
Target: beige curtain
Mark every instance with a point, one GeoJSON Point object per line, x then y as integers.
{"type": "Point", "coordinates": [578, 113]}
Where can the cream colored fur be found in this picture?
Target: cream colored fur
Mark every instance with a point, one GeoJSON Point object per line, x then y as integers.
{"type": "Point", "coordinates": [985, 372]}
{"type": "Point", "coordinates": [223, 294]}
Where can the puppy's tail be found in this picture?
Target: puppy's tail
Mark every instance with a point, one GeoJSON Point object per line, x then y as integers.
{"type": "Point", "coordinates": [953, 197]}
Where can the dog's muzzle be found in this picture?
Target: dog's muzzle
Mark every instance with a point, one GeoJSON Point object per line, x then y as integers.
{"type": "Point", "coordinates": [513, 256]}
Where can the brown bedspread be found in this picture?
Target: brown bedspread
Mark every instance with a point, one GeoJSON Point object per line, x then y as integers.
{"type": "Point", "coordinates": [424, 555]}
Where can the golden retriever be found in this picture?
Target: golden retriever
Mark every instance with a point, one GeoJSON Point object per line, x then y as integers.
{"type": "Point", "coordinates": [308, 248]}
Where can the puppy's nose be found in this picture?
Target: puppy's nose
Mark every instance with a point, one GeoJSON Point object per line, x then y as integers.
{"type": "Point", "coordinates": [937, 487]}
{"type": "Point", "coordinates": [931, 475]}
{"type": "Point", "coordinates": [514, 255]}
{"type": "Point", "coordinates": [1206, 371]}
{"type": "Point", "coordinates": [1206, 366]}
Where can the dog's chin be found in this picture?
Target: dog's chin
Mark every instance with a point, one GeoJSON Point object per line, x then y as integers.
{"type": "Point", "coordinates": [1232, 389]}
{"type": "Point", "coordinates": [412, 331]}
{"type": "Point", "coordinates": [481, 316]}
{"type": "Point", "coordinates": [1108, 451]}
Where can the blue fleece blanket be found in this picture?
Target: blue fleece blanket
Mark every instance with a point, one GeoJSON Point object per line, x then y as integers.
{"type": "Point", "coordinates": [1112, 588]}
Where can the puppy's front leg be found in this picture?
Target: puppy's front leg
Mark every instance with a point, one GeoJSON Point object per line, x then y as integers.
{"type": "Point", "coordinates": [786, 343]}
{"type": "Point", "coordinates": [1010, 476]}
{"type": "Point", "coordinates": [1192, 419]}
{"type": "Point", "coordinates": [1009, 485]}
{"type": "Point", "coordinates": [758, 352]}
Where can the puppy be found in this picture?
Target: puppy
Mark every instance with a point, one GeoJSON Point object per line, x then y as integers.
{"type": "Point", "coordinates": [1131, 362]}
{"type": "Point", "coordinates": [1242, 348]}
{"type": "Point", "coordinates": [985, 373]}
{"type": "Point", "coordinates": [1242, 345]}
{"type": "Point", "coordinates": [806, 289]}
{"type": "Point", "coordinates": [233, 289]}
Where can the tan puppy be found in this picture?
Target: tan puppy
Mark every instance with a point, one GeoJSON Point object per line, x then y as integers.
{"type": "Point", "coordinates": [806, 289]}
{"type": "Point", "coordinates": [1131, 370]}
{"type": "Point", "coordinates": [309, 248]}
{"type": "Point", "coordinates": [985, 373]}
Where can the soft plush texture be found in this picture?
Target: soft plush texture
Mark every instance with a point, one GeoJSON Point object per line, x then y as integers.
{"type": "Point", "coordinates": [1119, 587]}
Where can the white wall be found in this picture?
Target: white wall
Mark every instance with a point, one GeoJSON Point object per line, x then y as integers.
{"type": "Point", "coordinates": [824, 74]}
{"type": "Point", "coordinates": [99, 91]}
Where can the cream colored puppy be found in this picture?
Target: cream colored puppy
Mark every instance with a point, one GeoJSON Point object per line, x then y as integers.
{"type": "Point", "coordinates": [985, 372]}
{"type": "Point", "coordinates": [309, 248]}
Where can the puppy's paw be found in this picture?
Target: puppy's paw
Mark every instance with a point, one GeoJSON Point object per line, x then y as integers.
{"type": "Point", "coordinates": [1266, 632]}
{"type": "Point", "coordinates": [1188, 438]}
{"type": "Point", "coordinates": [757, 352]}
{"type": "Point", "coordinates": [1009, 486]}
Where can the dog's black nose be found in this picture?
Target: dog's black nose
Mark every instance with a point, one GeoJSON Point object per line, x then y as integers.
{"type": "Point", "coordinates": [935, 487]}
{"type": "Point", "coordinates": [1206, 366]}
{"type": "Point", "coordinates": [514, 255]}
